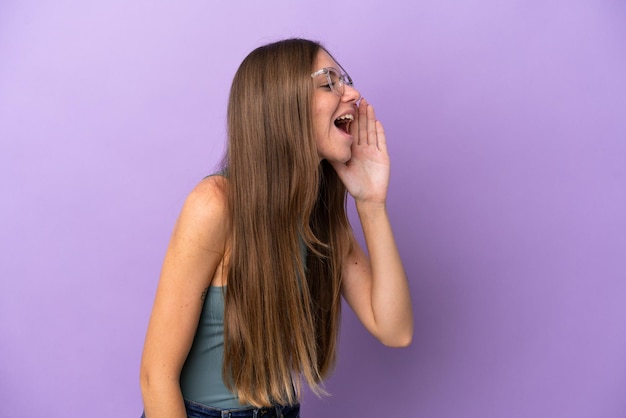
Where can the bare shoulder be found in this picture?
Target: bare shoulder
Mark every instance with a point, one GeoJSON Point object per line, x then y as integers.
{"type": "Point", "coordinates": [205, 216]}
{"type": "Point", "coordinates": [210, 191]}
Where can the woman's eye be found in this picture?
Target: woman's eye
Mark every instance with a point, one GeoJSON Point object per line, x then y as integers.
{"type": "Point", "coordinates": [326, 86]}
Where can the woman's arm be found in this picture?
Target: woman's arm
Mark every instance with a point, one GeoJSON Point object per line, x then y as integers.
{"type": "Point", "coordinates": [191, 263]}
{"type": "Point", "coordinates": [376, 288]}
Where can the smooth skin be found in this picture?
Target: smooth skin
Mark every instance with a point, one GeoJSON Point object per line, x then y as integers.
{"type": "Point", "coordinates": [375, 287]}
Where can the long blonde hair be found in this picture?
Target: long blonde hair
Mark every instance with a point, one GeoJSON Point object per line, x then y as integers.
{"type": "Point", "coordinates": [289, 232]}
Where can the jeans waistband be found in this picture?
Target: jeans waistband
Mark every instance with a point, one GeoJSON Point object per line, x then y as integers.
{"type": "Point", "coordinates": [196, 410]}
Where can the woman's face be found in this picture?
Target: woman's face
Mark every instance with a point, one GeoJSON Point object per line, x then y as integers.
{"type": "Point", "coordinates": [332, 114]}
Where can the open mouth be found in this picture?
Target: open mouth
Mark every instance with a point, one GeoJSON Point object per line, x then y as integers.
{"type": "Point", "coordinates": [343, 122]}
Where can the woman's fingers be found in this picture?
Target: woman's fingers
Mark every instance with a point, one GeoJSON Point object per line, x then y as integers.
{"type": "Point", "coordinates": [369, 130]}
{"type": "Point", "coordinates": [362, 138]}
{"type": "Point", "coordinates": [371, 126]}
{"type": "Point", "coordinates": [380, 136]}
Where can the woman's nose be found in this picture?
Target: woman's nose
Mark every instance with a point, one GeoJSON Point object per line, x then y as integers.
{"type": "Point", "coordinates": [350, 94]}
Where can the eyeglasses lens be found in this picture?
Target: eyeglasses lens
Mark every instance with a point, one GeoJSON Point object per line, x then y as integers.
{"type": "Point", "coordinates": [336, 82]}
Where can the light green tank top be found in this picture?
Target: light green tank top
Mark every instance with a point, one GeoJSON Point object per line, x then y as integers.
{"type": "Point", "coordinates": [201, 376]}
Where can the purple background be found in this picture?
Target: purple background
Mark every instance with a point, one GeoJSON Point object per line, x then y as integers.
{"type": "Point", "coordinates": [506, 122]}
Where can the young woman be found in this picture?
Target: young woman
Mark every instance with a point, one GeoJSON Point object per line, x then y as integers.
{"type": "Point", "coordinates": [248, 301]}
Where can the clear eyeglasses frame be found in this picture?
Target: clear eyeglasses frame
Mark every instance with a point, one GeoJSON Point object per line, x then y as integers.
{"type": "Point", "coordinates": [337, 81]}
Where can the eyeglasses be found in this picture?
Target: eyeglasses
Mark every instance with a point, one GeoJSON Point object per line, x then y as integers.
{"type": "Point", "coordinates": [337, 81]}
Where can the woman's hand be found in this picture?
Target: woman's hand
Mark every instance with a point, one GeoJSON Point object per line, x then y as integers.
{"type": "Point", "coordinates": [366, 174]}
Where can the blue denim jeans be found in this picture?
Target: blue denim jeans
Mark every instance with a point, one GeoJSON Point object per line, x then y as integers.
{"type": "Point", "coordinates": [196, 410]}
